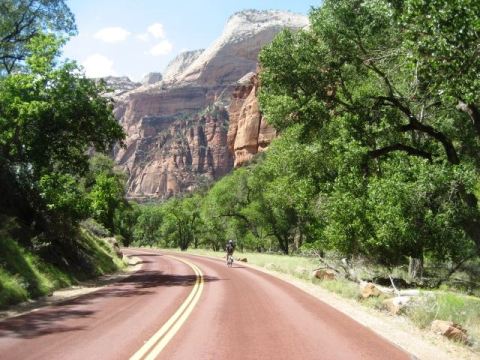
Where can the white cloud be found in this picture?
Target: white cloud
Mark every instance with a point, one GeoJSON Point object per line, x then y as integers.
{"type": "Point", "coordinates": [97, 65]}
{"type": "Point", "coordinates": [157, 31]}
{"type": "Point", "coordinates": [143, 37]}
{"type": "Point", "coordinates": [112, 34]}
{"type": "Point", "coordinates": [164, 47]}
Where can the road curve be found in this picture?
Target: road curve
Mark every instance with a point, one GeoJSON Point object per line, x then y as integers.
{"type": "Point", "coordinates": [237, 313]}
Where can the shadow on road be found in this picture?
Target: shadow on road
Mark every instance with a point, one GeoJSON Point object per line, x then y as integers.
{"type": "Point", "coordinates": [46, 322]}
{"type": "Point", "coordinates": [64, 316]}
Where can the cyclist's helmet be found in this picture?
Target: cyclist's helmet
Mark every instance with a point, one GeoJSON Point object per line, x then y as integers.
{"type": "Point", "coordinates": [230, 241]}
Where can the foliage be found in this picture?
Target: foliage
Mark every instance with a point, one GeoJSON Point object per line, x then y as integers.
{"type": "Point", "coordinates": [22, 20]}
{"type": "Point", "coordinates": [369, 84]}
{"type": "Point", "coordinates": [52, 119]}
{"type": "Point", "coordinates": [447, 306]}
{"type": "Point", "coordinates": [24, 274]}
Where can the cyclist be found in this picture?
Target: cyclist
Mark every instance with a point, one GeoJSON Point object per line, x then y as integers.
{"type": "Point", "coordinates": [230, 248]}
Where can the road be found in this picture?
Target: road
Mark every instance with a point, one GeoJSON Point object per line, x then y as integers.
{"type": "Point", "coordinates": [188, 307]}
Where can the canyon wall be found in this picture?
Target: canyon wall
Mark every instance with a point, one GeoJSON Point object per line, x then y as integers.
{"type": "Point", "coordinates": [200, 120]}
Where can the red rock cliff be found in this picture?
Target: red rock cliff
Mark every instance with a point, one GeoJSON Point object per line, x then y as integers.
{"type": "Point", "coordinates": [248, 131]}
{"type": "Point", "coordinates": [179, 129]}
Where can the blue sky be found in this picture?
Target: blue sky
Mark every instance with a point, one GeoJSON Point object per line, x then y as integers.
{"type": "Point", "coordinates": [134, 37]}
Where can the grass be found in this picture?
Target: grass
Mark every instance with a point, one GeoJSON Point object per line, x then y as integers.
{"type": "Point", "coordinates": [25, 275]}
{"type": "Point", "coordinates": [461, 309]}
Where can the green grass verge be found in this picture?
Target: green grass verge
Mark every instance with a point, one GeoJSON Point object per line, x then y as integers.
{"type": "Point", "coordinates": [24, 275]}
{"type": "Point", "coordinates": [461, 309]}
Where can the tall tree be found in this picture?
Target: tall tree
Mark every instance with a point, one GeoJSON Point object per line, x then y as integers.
{"type": "Point", "coordinates": [376, 81]}
{"type": "Point", "coordinates": [50, 117]}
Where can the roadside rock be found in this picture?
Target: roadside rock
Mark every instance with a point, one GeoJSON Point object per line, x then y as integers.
{"type": "Point", "coordinates": [396, 304]}
{"type": "Point", "coordinates": [369, 289]}
{"type": "Point", "coordinates": [450, 330]}
{"type": "Point", "coordinates": [324, 274]}
{"type": "Point", "coordinates": [242, 259]}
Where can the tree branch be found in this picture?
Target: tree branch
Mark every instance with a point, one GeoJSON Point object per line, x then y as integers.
{"type": "Point", "coordinates": [414, 124]}
{"type": "Point", "coordinates": [399, 147]}
{"type": "Point", "coordinates": [472, 111]}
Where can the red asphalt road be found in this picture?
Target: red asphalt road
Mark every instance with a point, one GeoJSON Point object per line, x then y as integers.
{"type": "Point", "coordinates": [241, 314]}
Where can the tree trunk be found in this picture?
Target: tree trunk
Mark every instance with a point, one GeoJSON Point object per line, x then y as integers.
{"type": "Point", "coordinates": [415, 268]}
{"type": "Point", "coordinates": [472, 228]}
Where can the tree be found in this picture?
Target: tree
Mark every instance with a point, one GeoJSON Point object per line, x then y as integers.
{"type": "Point", "coordinates": [148, 225]}
{"type": "Point", "coordinates": [379, 85]}
{"type": "Point", "coordinates": [181, 221]}
{"type": "Point", "coordinates": [22, 20]}
{"type": "Point", "coordinates": [106, 188]}
{"type": "Point", "coordinates": [50, 117]}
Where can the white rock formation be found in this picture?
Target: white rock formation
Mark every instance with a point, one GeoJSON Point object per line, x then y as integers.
{"type": "Point", "coordinates": [178, 65]}
{"type": "Point", "coordinates": [235, 52]}
{"type": "Point", "coordinates": [119, 85]}
{"type": "Point", "coordinates": [152, 78]}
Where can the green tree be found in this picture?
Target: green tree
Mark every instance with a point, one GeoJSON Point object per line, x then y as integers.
{"type": "Point", "coordinates": [148, 225]}
{"type": "Point", "coordinates": [50, 117]}
{"type": "Point", "coordinates": [181, 221]}
{"type": "Point", "coordinates": [23, 20]}
{"type": "Point", "coordinates": [107, 196]}
{"type": "Point", "coordinates": [371, 83]}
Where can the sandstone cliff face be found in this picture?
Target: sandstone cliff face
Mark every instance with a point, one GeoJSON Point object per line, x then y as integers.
{"type": "Point", "coordinates": [177, 129]}
{"type": "Point", "coordinates": [235, 52]}
{"type": "Point", "coordinates": [178, 65]}
{"type": "Point", "coordinates": [119, 85]}
{"type": "Point", "coordinates": [151, 78]}
{"type": "Point", "coordinates": [248, 131]}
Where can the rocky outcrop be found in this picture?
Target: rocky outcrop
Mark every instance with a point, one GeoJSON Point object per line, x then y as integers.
{"type": "Point", "coordinates": [248, 132]}
{"type": "Point", "coordinates": [178, 129]}
{"type": "Point", "coordinates": [177, 66]}
{"type": "Point", "coordinates": [119, 85]}
{"type": "Point", "coordinates": [369, 290]}
{"type": "Point", "coordinates": [396, 304]}
{"type": "Point", "coordinates": [152, 78]}
{"type": "Point", "coordinates": [173, 146]}
{"type": "Point", "coordinates": [235, 52]}
{"type": "Point", "coordinates": [324, 274]}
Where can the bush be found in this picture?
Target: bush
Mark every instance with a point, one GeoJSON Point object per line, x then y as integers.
{"type": "Point", "coordinates": [95, 228]}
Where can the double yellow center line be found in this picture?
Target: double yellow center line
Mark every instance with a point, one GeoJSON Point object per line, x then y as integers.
{"type": "Point", "coordinates": [160, 339]}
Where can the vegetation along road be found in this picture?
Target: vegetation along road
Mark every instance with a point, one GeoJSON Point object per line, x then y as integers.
{"type": "Point", "coordinates": [186, 307]}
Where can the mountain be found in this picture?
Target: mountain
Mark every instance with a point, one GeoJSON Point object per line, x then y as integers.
{"type": "Point", "coordinates": [152, 78]}
{"type": "Point", "coordinates": [177, 66]}
{"type": "Point", "coordinates": [119, 85]}
{"type": "Point", "coordinates": [178, 134]}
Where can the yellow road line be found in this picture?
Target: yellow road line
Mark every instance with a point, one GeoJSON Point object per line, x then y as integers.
{"type": "Point", "coordinates": [160, 339]}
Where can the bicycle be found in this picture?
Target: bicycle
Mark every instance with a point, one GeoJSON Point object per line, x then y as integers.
{"type": "Point", "coordinates": [229, 260]}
